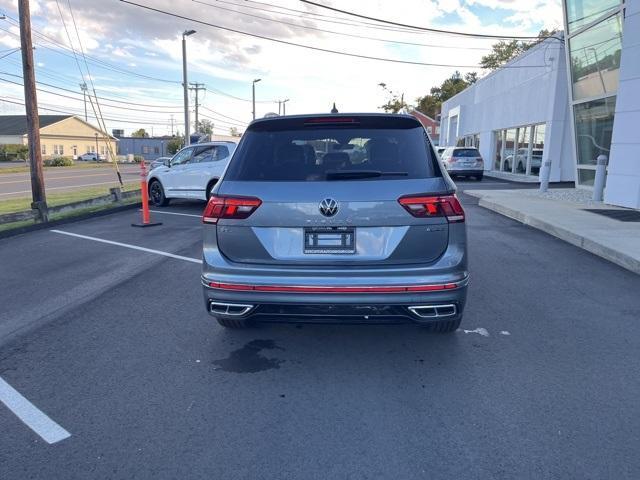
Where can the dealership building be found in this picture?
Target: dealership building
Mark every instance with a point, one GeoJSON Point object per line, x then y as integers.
{"type": "Point", "coordinates": [572, 99]}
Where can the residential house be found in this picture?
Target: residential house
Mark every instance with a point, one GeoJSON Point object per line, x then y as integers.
{"type": "Point", "coordinates": [430, 125]}
{"type": "Point", "coordinates": [60, 136]}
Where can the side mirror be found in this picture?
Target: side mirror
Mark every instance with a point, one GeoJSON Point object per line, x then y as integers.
{"type": "Point", "coordinates": [167, 163]}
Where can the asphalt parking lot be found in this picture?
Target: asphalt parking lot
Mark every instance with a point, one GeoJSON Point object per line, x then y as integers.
{"type": "Point", "coordinates": [107, 353]}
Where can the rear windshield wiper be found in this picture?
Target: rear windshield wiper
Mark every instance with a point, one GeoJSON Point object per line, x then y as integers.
{"type": "Point", "coordinates": [357, 174]}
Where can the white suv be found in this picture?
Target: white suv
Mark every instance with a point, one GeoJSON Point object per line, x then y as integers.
{"type": "Point", "coordinates": [191, 173]}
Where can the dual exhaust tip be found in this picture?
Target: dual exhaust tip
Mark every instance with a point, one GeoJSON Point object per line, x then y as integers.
{"type": "Point", "coordinates": [421, 312]}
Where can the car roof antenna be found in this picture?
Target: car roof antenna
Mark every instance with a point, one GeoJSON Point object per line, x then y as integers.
{"type": "Point", "coordinates": [334, 109]}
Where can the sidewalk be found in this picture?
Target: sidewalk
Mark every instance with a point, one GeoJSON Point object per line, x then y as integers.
{"type": "Point", "coordinates": [563, 214]}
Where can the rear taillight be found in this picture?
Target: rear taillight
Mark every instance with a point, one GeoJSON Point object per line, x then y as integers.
{"type": "Point", "coordinates": [229, 207]}
{"type": "Point", "coordinates": [438, 206]}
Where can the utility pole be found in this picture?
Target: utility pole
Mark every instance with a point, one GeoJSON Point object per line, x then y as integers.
{"type": "Point", "coordinates": [83, 87]}
{"type": "Point", "coordinates": [31, 106]}
{"type": "Point", "coordinates": [284, 107]}
{"type": "Point", "coordinates": [197, 87]}
{"type": "Point", "coordinates": [171, 124]}
{"type": "Point", "coordinates": [253, 96]}
{"type": "Point", "coordinates": [185, 84]}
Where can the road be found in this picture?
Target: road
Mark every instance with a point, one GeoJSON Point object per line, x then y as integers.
{"type": "Point", "coordinates": [114, 346]}
{"type": "Point", "coordinates": [15, 185]}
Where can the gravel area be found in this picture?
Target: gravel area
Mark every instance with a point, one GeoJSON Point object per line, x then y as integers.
{"type": "Point", "coordinates": [573, 195]}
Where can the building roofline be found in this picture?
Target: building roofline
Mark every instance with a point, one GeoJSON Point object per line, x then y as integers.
{"type": "Point", "coordinates": [558, 36]}
{"type": "Point", "coordinates": [415, 110]}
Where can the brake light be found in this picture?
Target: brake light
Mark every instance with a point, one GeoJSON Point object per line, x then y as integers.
{"type": "Point", "coordinates": [331, 120]}
{"type": "Point", "coordinates": [229, 207]}
{"type": "Point", "coordinates": [438, 206]}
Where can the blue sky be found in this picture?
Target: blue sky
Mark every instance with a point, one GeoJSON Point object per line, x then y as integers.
{"type": "Point", "coordinates": [135, 56]}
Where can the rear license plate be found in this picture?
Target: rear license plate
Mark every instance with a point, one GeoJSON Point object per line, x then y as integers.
{"type": "Point", "coordinates": [335, 240]}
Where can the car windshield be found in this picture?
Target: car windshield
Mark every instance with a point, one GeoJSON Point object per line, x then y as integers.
{"type": "Point", "coordinates": [466, 152]}
{"type": "Point", "coordinates": [318, 154]}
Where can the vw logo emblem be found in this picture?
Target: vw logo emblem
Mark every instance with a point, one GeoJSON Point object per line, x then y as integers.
{"type": "Point", "coordinates": [328, 207]}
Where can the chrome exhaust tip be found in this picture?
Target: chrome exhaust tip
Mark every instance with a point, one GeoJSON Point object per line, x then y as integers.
{"type": "Point", "coordinates": [432, 312]}
{"type": "Point", "coordinates": [231, 309]}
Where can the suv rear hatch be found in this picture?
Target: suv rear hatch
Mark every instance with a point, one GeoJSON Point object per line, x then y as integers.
{"type": "Point", "coordinates": [334, 190]}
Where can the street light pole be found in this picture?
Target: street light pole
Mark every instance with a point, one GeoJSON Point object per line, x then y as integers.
{"type": "Point", "coordinates": [185, 84]}
{"type": "Point", "coordinates": [83, 87]}
{"type": "Point", "coordinates": [253, 96]}
{"type": "Point", "coordinates": [284, 107]}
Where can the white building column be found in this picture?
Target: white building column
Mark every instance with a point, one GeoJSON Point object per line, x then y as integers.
{"type": "Point", "coordinates": [623, 179]}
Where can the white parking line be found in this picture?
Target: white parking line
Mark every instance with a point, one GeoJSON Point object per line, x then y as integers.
{"type": "Point", "coordinates": [33, 418]}
{"type": "Point", "coordinates": [133, 247]}
{"type": "Point", "coordinates": [176, 213]}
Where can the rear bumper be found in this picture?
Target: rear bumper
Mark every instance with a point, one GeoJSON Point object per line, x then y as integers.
{"type": "Point", "coordinates": [466, 171]}
{"type": "Point", "coordinates": [330, 307]}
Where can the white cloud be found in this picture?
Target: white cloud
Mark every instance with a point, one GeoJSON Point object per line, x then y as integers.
{"type": "Point", "coordinates": [150, 43]}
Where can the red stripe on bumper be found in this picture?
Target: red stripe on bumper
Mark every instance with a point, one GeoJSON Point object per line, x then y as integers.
{"type": "Point", "coordinates": [297, 289]}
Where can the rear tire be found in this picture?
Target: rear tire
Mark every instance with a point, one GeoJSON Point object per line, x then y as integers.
{"type": "Point", "coordinates": [445, 326]}
{"type": "Point", "coordinates": [156, 194]}
{"type": "Point", "coordinates": [235, 323]}
{"type": "Point", "coordinates": [210, 185]}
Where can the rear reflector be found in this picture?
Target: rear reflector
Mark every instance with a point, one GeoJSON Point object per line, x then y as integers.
{"type": "Point", "coordinates": [229, 207]}
{"type": "Point", "coordinates": [439, 206]}
{"type": "Point", "coordinates": [297, 289]}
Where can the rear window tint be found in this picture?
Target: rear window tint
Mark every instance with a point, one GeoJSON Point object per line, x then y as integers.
{"type": "Point", "coordinates": [308, 154]}
{"type": "Point", "coordinates": [466, 152]}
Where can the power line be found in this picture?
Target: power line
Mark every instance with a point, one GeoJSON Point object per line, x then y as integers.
{"type": "Point", "coordinates": [309, 47]}
{"type": "Point", "coordinates": [225, 116]}
{"type": "Point", "coordinates": [424, 29]}
{"type": "Point", "coordinates": [96, 61]}
{"type": "Point", "coordinates": [334, 19]}
{"type": "Point", "coordinates": [333, 32]}
{"type": "Point", "coordinates": [102, 97]}
{"type": "Point", "coordinates": [108, 66]}
{"type": "Point", "coordinates": [80, 99]}
{"type": "Point", "coordinates": [77, 112]}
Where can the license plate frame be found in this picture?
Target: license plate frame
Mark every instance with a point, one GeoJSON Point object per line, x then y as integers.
{"type": "Point", "coordinates": [329, 240]}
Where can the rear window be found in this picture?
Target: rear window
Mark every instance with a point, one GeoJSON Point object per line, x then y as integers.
{"type": "Point", "coordinates": [466, 152]}
{"type": "Point", "coordinates": [320, 153]}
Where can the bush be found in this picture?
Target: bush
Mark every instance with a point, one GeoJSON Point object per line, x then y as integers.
{"type": "Point", "coordinates": [13, 152]}
{"type": "Point", "coordinates": [138, 158]}
{"type": "Point", "coordinates": [58, 162]}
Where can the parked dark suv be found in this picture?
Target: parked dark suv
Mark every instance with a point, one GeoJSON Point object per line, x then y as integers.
{"type": "Point", "coordinates": [301, 229]}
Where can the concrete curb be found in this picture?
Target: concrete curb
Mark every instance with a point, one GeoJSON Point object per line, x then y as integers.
{"type": "Point", "coordinates": [599, 249]}
{"type": "Point", "coordinates": [76, 218]}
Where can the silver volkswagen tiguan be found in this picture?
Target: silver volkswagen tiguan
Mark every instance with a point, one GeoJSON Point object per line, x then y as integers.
{"type": "Point", "coordinates": [335, 218]}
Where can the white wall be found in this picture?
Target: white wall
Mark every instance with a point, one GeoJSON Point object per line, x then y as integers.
{"type": "Point", "coordinates": [623, 179]}
{"type": "Point", "coordinates": [532, 89]}
{"type": "Point", "coordinates": [11, 139]}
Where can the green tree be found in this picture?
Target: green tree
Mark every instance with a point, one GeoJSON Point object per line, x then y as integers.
{"type": "Point", "coordinates": [205, 126]}
{"type": "Point", "coordinates": [174, 145]}
{"type": "Point", "coordinates": [141, 132]}
{"type": "Point", "coordinates": [503, 51]}
{"type": "Point", "coordinates": [395, 102]}
{"type": "Point", "coordinates": [233, 131]}
{"type": "Point", "coordinates": [429, 105]}
{"type": "Point", "coordinates": [471, 78]}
